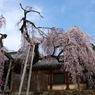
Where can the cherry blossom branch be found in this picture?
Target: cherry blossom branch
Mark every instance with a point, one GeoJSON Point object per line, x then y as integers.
{"type": "Point", "coordinates": [2, 21]}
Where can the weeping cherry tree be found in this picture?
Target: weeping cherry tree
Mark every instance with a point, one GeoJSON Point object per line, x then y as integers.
{"type": "Point", "coordinates": [2, 24]}
{"type": "Point", "coordinates": [29, 45]}
{"type": "Point", "coordinates": [73, 48]}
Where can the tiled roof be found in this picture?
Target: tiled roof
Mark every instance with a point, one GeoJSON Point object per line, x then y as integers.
{"type": "Point", "coordinates": [47, 62]}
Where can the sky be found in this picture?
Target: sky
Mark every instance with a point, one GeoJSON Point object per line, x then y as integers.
{"type": "Point", "coordinates": [57, 13]}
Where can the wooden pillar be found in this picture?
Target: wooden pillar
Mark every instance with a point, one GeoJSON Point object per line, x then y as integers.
{"type": "Point", "coordinates": [67, 82]}
{"type": "Point", "coordinates": [50, 80]}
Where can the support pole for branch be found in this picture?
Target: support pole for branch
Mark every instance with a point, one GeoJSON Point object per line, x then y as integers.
{"type": "Point", "coordinates": [24, 71]}
{"type": "Point", "coordinates": [7, 77]}
{"type": "Point", "coordinates": [30, 71]}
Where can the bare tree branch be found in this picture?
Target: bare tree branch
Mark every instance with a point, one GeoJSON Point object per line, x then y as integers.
{"type": "Point", "coordinates": [26, 11]}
